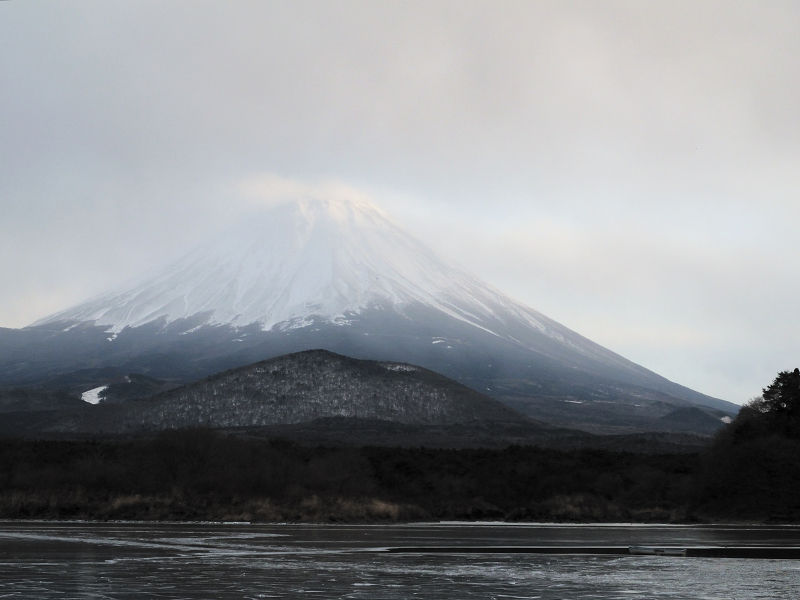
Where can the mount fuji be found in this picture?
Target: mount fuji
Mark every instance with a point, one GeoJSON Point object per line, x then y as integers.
{"type": "Point", "coordinates": [311, 261]}
{"type": "Point", "coordinates": [342, 276]}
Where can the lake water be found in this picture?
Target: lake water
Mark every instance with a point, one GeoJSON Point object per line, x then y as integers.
{"type": "Point", "coordinates": [139, 560]}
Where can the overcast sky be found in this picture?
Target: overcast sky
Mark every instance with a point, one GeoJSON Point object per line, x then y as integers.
{"type": "Point", "coordinates": [630, 169]}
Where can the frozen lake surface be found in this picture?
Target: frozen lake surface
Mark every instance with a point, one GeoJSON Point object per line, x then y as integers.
{"type": "Point", "coordinates": [142, 560]}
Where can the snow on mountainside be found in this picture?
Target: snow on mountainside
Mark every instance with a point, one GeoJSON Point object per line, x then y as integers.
{"type": "Point", "coordinates": [340, 276]}
{"type": "Point", "coordinates": [318, 260]}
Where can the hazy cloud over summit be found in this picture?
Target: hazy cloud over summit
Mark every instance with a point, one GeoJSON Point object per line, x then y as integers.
{"type": "Point", "coordinates": [631, 169]}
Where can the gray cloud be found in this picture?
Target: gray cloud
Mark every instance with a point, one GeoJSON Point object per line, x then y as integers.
{"type": "Point", "coordinates": [631, 169]}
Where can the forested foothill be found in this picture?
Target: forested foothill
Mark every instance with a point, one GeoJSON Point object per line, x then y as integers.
{"type": "Point", "coordinates": [199, 474]}
{"type": "Point", "coordinates": [750, 472]}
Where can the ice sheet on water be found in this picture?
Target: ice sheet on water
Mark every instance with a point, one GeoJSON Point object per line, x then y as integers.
{"type": "Point", "coordinates": [58, 560]}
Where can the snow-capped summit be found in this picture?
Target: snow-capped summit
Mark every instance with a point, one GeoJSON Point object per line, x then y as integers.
{"type": "Point", "coordinates": [310, 261]}
{"type": "Point", "coordinates": [308, 257]}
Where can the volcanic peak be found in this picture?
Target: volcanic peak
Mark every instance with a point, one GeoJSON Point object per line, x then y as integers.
{"type": "Point", "coordinates": [305, 261]}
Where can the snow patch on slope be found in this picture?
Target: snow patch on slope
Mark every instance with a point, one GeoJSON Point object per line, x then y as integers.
{"type": "Point", "coordinates": [93, 396]}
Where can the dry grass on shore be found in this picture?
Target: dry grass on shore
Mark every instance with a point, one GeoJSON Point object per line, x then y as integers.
{"type": "Point", "coordinates": [178, 507]}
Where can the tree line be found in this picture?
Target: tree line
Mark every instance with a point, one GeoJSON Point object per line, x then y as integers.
{"type": "Point", "coordinates": [750, 472]}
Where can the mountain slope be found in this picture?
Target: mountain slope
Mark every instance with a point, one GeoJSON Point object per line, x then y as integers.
{"type": "Point", "coordinates": [315, 261]}
{"type": "Point", "coordinates": [340, 276]}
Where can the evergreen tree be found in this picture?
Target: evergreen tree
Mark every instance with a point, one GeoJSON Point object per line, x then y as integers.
{"type": "Point", "coordinates": [780, 404]}
{"type": "Point", "coordinates": [777, 411]}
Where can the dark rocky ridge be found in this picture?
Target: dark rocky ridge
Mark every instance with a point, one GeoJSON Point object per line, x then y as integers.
{"type": "Point", "coordinates": [566, 423]}
{"type": "Point", "coordinates": [299, 388]}
{"type": "Point", "coordinates": [317, 397]}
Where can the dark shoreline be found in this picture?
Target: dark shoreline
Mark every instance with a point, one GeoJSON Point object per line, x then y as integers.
{"type": "Point", "coordinates": [201, 474]}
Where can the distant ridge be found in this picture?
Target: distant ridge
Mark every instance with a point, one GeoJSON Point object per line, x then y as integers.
{"type": "Point", "coordinates": [300, 388]}
{"type": "Point", "coordinates": [321, 398]}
